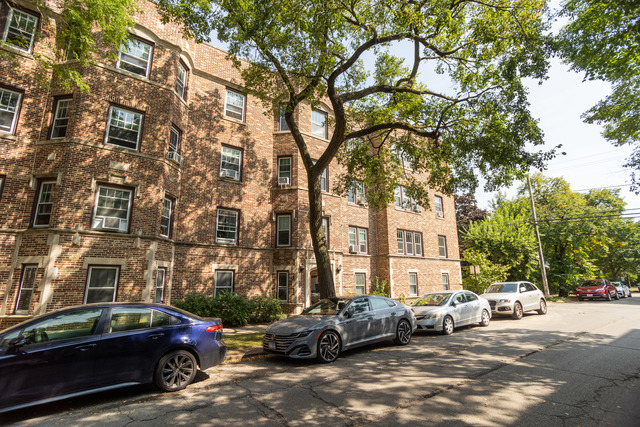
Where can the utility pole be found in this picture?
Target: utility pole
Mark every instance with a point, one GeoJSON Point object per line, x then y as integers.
{"type": "Point", "coordinates": [543, 270]}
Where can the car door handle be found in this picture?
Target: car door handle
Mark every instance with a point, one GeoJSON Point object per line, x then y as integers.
{"type": "Point", "coordinates": [156, 336]}
{"type": "Point", "coordinates": [86, 347]}
{"type": "Point", "coordinates": [370, 318]}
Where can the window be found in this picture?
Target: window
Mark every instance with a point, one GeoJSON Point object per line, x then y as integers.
{"type": "Point", "coordinates": [356, 194]}
{"type": "Point", "coordinates": [124, 128]}
{"type": "Point", "coordinates": [44, 204]}
{"type": "Point", "coordinates": [283, 230]}
{"type": "Point", "coordinates": [404, 201]}
{"type": "Point", "coordinates": [360, 284]}
{"type": "Point", "coordinates": [324, 180]}
{"type": "Point", "coordinates": [227, 226]}
{"type": "Point", "coordinates": [282, 123]}
{"type": "Point", "coordinates": [358, 240]}
{"type": "Point", "coordinates": [283, 285]}
{"type": "Point", "coordinates": [21, 30]}
{"type": "Point", "coordinates": [403, 157]}
{"type": "Point", "coordinates": [129, 319]}
{"type": "Point", "coordinates": [113, 209]}
{"type": "Point", "coordinates": [409, 242]}
{"type": "Point", "coordinates": [445, 281]}
{"type": "Point", "coordinates": [325, 228]}
{"type": "Point", "coordinates": [135, 56]}
{"type": "Point", "coordinates": [224, 282]}
{"type": "Point", "coordinates": [284, 170]}
{"type": "Point", "coordinates": [439, 207]}
{"type": "Point", "coordinates": [60, 118]}
{"type": "Point", "coordinates": [319, 124]}
{"type": "Point", "coordinates": [175, 136]}
{"type": "Point", "coordinates": [442, 246]}
{"type": "Point", "coordinates": [76, 324]}
{"type": "Point", "coordinates": [166, 217]}
{"type": "Point", "coordinates": [27, 285]}
{"type": "Point", "coordinates": [413, 284]}
{"type": "Point", "coordinates": [161, 275]}
{"type": "Point", "coordinates": [235, 105]}
{"type": "Point", "coordinates": [230, 163]}
{"type": "Point", "coordinates": [2, 179]}
{"type": "Point", "coordinates": [181, 80]}
{"type": "Point", "coordinates": [9, 107]}
{"type": "Point", "coordinates": [101, 284]}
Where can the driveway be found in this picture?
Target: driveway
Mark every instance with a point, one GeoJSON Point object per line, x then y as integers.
{"type": "Point", "coordinates": [578, 365]}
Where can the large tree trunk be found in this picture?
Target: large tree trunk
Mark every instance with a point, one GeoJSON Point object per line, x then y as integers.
{"type": "Point", "coordinates": [318, 238]}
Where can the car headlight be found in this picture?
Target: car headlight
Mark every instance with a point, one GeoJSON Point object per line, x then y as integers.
{"type": "Point", "coordinates": [432, 316]}
{"type": "Point", "coordinates": [501, 301]}
{"type": "Point", "coordinates": [304, 333]}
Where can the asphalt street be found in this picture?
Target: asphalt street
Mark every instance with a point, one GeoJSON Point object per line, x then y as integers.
{"type": "Point", "coordinates": [579, 365]}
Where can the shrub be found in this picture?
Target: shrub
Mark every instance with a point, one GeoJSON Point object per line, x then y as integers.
{"type": "Point", "coordinates": [234, 310]}
{"type": "Point", "coordinates": [198, 304]}
{"type": "Point", "coordinates": [266, 310]}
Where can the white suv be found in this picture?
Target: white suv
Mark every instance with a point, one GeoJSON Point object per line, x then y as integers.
{"type": "Point", "coordinates": [514, 298]}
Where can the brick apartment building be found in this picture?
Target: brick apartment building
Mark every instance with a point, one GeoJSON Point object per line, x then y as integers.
{"type": "Point", "coordinates": [167, 179]}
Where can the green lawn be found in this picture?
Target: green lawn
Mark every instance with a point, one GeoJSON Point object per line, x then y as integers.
{"type": "Point", "coordinates": [235, 342]}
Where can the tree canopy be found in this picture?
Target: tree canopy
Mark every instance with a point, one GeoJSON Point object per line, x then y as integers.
{"type": "Point", "coordinates": [602, 40]}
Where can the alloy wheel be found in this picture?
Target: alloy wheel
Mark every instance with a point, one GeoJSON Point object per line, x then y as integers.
{"type": "Point", "coordinates": [485, 319]}
{"type": "Point", "coordinates": [447, 325]}
{"type": "Point", "coordinates": [403, 334]}
{"type": "Point", "coordinates": [543, 307]}
{"type": "Point", "coordinates": [328, 347]}
{"type": "Point", "coordinates": [175, 371]}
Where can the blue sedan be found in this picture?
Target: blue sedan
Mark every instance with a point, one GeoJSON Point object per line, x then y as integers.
{"type": "Point", "coordinates": [97, 347]}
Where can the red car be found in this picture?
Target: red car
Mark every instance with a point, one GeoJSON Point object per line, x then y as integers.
{"type": "Point", "coordinates": [597, 288]}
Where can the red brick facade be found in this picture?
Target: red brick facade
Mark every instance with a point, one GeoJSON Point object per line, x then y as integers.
{"type": "Point", "coordinates": [64, 241]}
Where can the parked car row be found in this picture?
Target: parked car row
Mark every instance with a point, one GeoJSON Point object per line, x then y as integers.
{"type": "Point", "coordinates": [602, 288]}
{"type": "Point", "coordinates": [98, 347]}
{"type": "Point", "coordinates": [333, 325]}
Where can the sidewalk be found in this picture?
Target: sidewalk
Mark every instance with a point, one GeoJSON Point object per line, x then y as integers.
{"type": "Point", "coordinates": [235, 356]}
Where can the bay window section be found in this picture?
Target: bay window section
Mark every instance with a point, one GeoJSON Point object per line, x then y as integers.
{"type": "Point", "coordinates": [124, 128]}
{"type": "Point", "coordinates": [230, 163]}
{"type": "Point", "coordinates": [227, 226]}
{"type": "Point", "coordinates": [135, 56]}
{"type": "Point", "coordinates": [61, 118]}
{"type": "Point", "coordinates": [112, 209]}
{"type": "Point", "coordinates": [283, 230]}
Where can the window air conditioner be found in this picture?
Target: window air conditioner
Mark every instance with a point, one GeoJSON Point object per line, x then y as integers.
{"type": "Point", "coordinates": [110, 223]}
{"type": "Point", "coordinates": [352, 250]}
{"type": "Point", "coordinates": [226, 173]}
{"type": "Point", "coordinates": [440, 214]}
{"type": "Point", "coordinates": [283, 181]}
{"type": "Point", "coordinates": [175, 157]}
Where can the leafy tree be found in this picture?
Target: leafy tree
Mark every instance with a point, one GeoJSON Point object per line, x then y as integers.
{"type": "Point", "coordinates": [506, 237]}
{"type": "Point", "coordinates": [314, 51]}
{"type": "Point", "coordinates": [488, 274]}
{"type": "Point", "coordinates": [467, 210]}
{"type": "Point", "coordinates": [602, 39]}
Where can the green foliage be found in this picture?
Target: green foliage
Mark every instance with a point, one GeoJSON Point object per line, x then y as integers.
{"type": "Point", "coordinates": [489, 272]}
{"type": "Point", "coordinates": [602, 39]}
{"type": "Point", "coordinates": [234, 310]}
{"type": "Point", "coordinates": [379, 287]}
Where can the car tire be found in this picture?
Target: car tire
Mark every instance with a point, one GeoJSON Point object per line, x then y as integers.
{"type": "Point", "coordinates": [175, 370]}
{"type": "Point", "coordinates": [485, 319]}
{"type": "Point", "coordinates": [616, 296]}
{"type": "Point", "coordinates": [328, 347]}
{"type": "Point", "coordinates": [608, 298]}
{"type": "Point", "coordinates": [447, 325]}
{"type": "Point", "coordinates": [403, 333]}
{"type": "Point", "coordinates": [543, 307]}
{"type": "Point", "coordinates": [517, 311]}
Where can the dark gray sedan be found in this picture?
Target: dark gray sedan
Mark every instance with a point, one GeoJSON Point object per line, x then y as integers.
{"type": "Point", "coordinates": [333, 325]}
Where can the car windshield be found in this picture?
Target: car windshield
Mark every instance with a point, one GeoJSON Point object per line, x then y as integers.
{"type": "Point", "coordinates": [589, 283]}
{"type": "Point", "coordinates": [326, 307]}
{"type": "Point", "coordinates": [432, 299]}
{"type": "Point", "coordinates": [502, 288]}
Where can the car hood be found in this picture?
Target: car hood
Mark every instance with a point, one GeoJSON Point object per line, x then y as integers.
{"type": "Point", "coordinates": [298, 324]}
{"type": "Point", "coordinates": [421, 310]}
{"type": "Point", "coordinates": [499, 295]}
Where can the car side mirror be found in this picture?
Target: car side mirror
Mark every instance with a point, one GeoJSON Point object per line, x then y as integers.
{"type": "Point", "coordinates": [454, 303]}
{"type": "Point", "coordinates": [16, 343]}
{"type": "Point", "coordinates": [350, 311]}
{"type": "Point", "coordinates": [523, 289]}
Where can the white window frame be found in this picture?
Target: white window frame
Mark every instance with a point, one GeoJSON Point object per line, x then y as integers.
{"type": "Point", "coordinates": [325, 227]}
{"type": "Point", "coordinates": [175, 137]}
{"type": "Point", "coordinates": [231, 153]}
{"type": "Point", "coordinates": [445, 281]}
{"type": "Point", "coordinates": [217, 289]}
{"type": "Point", "coordinates": [161, 277]}
{"type": "Point", "coordinates": [319, 129]}
{"type": "Point", "coordinates": [230, 113]}
{"type": "Point", "coordinates": [282, 123]}
{"type": "Point", "coordinates": [279, 230]}
{"type": "Point", "coordinates": [44, 199]}
{"type": "Point", "coordinates": [324, 180]}
{"type": "Point", "coordinates": [124, 121]}
{"type": "Point", "coordinates": [280, 287]}
{"type": "Point", "coordinates": [98, 221]}
{"type": "Point", "coordinates": [181, 82]}
{"type": "Point", "coordinates": [442, 246]}
{"type": "Point", "coordinates": [122, 51]}
{"type": "Point", "coordinates": [166, 216]}
{"type": "Point", "coordinates": [409, 243]}
{"type": "Point", "coordinates": [404, 202]}
{"type": "Point", "coordinates": [61, 117]}
{"type": "Point", "coordinates": [363, 284]}
{"type": "Point", "coordinates": [413, 275]}
{"type": "Point", "coordinates": [232, 229]}
{"type": "Point", "coordinates": [26, 289]}
{"type": "Point", "coordinates": [32, 36]}
{"type": "Point", "coordinates": [356, 193]}
{"type": "Point", "coordinates": [10, 103]}
{"type": "Point", "coordinates": [355, 236]}
{"type": "Point", "coordinates": [439, 206]}
{"type": "Point", "coordinates": [115, 284]}
{"type": "Point", "coordinates": [282, 172]}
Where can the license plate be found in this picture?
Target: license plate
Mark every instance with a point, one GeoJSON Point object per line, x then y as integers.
{"type": "Point", "coordinates": [272, 346]}
{"type": "Point", "coordinates": [589, 295]}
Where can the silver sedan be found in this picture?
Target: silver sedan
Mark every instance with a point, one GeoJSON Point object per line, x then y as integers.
{"type": "Point", "coordinates": [333, 325]}
{"type": "Point", "coordinates": [445, 310]}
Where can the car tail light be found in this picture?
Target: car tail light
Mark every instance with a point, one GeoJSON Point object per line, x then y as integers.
{"type": "Point", "coordinates": [214, 328]}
